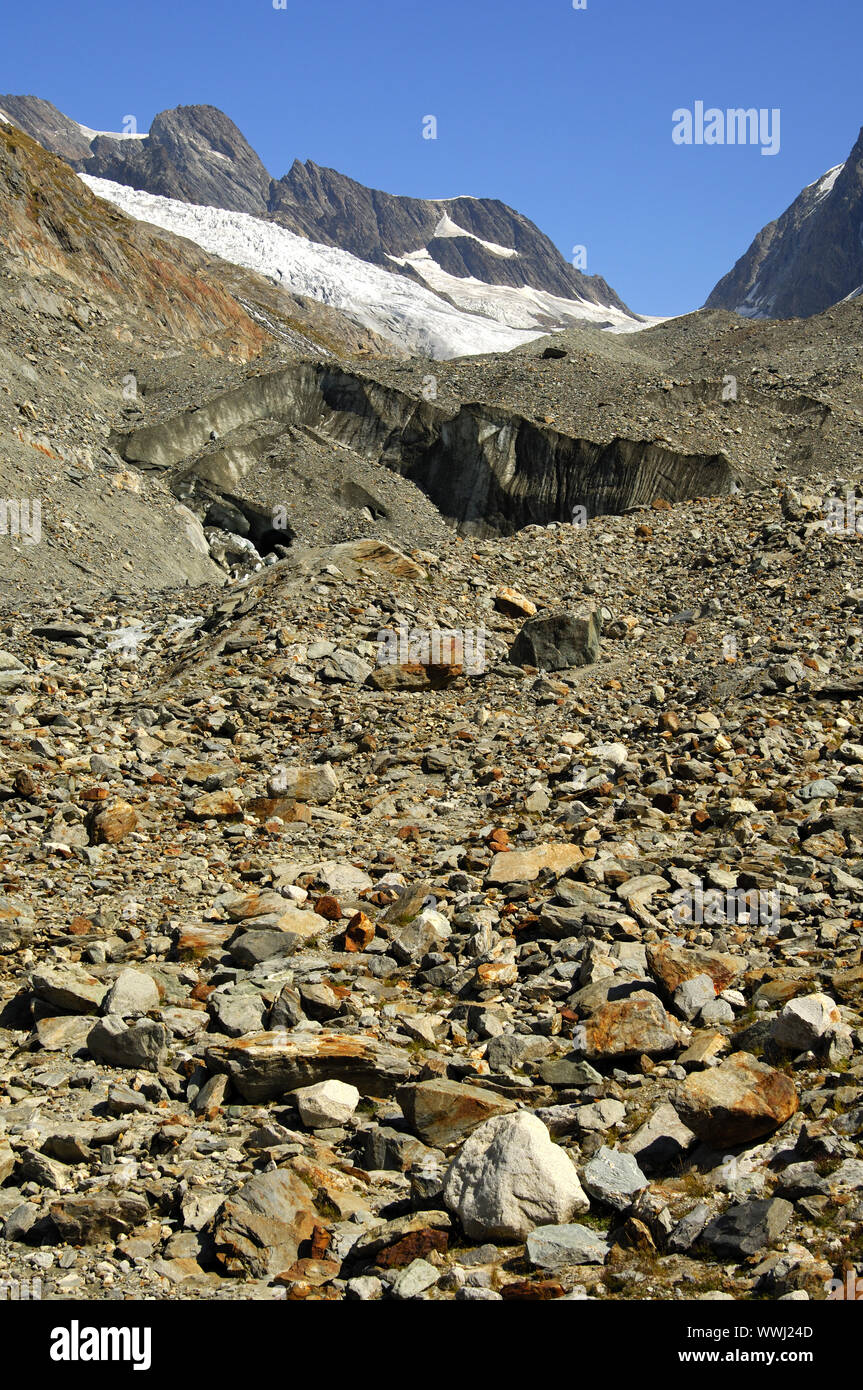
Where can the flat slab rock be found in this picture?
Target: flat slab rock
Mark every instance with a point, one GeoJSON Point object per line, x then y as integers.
{"type": "Point", "coordinates": [92, 1218]}
{"type": "Point", "coordinates": [555, 1247]}
{"type": "Point", "coordinates": [442, 1112]}
{"type": "Point", "coordinates": [263, 1066]}
{"type": "Point", "coordinates": [523, 866]}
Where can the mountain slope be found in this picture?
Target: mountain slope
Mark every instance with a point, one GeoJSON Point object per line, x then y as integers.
{"type": "Point", "coordinates": [408, 314]}
{"type": "Point", "coordinates": [195, 154]}
{"type": "Point", "coordinates": [99, 312]}
{"type": "Point", "coordinates": [808, 259]}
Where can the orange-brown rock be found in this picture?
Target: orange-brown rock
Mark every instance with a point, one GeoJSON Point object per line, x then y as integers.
{"type": "Point", "coordinates": [414, 1246]}
{"type": "Point", "coordinates": [113, 822]}
{"type": "Point", "coordinates": [220, 805]}
{"type": "Point", "coordinates": [737, 1102]}
{"type": "Point", "coordinates": [672, 965]}
{"type": "Point", "coordinates": [358, 933]}
{"type": "Point", "coordinates": [628, 1027]}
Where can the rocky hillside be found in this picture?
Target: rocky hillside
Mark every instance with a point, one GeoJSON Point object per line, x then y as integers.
{"type": "Point", "coordinates": [809, 258]}
{"type": "Point", "coordinates": [94, 310]}
{"type": "Point", "coordinates": [431, 856]}
{"type": "Point", "coordinates": [329, 974]}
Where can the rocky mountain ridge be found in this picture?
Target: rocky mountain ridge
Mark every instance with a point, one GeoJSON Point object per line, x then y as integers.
{"type": "Point", "coordinates": [196, 154]}
{"type": "Point", "coordinates": [809, 258]}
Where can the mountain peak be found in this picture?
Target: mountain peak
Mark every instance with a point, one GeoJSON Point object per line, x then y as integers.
{"type": "Point", "coordinates": [809, 258]}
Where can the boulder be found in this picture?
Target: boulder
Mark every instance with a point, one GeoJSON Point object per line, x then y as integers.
{"type": "Point", "coordinates": [258, 1232]}
{"type": "Point", "coordinates": [523, 866]}
{"type": "Point", "coordinates": [631, 1026]}
{"type": "Point", "coordinates": [314, 785]}
{"type": "Point", "coordinates": [746, 1228]}
{"type": "Point", "coordinates": [143, 1043]}
{"type": "Point", "coordinates": [509, 1178]}
{"type": "Point", "coordinates": [132, 992]}
{"type": "Point", "coordinates": [69, 987]}
{"type": "Point", "coordinates": [326, 1103]}
{"type": "Point", "coordinates": [737, 1102]}
{"type": "Point", "coordinates": [555, 1247]}
{"type": "Point", "coordinates": [613, 1178]}
{"type": "Point", "coordinates": [558, 641]}
{"type": "Point", "coordinates": [442, 1112]}
{"type": "Point", "coordinates": [804, 1023]}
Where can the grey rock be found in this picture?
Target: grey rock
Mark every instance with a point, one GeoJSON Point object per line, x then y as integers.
{"type": "Point", "coordinates": [688, 1229]}
{"type": "Point", "coordinates": [661, 1140]}
{"type": "Point", "coordinates": [69, 987]}
{"type": "Point", "coordinates": [613, 1178]}
{"type": "Point", "coordinates": [509, 1177]}
{"type": "Point", "coordinates": [555, 1247]}
{"type": "Point", "coordinates": [132, 993]}
{"type": "Point", "coordinates": [748, 1227]}
{"type": "Point", "coordinates": [557, 641]}
{"type": "Point", "coordinates": [143, 1043]}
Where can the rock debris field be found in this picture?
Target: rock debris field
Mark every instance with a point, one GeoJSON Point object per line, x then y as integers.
{"type": "Point", "coordinates": [538, 976]}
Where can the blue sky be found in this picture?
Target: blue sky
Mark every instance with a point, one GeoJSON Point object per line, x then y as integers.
{"type": "Point", "coordinates": [564, 114]}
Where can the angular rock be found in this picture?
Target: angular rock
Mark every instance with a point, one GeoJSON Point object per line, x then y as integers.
{"type": "Point", "coordinates": [746, 1228]}
{"type": "Point", "coordinates": [555, 1247]}
{"type": "Point", "coordinates": [69, 987]}
{"type": "Point", "coordinates": [631, 1026]}
{"type": "Point", "coordinates": [370, 1244]}
{"type": "Point", "coordinates": [557, 641]}
{"type": "Point", "coordinates": [260, 1230]}
{"type": "Point", "coordinates": [218, 805]}
{"type": "Point", "coordinates": [442, 1112]}
{"type": "Point", "coordinates": [112, 822]}
{"type": "Point", "coordinates": [252, 947]}
{"type": "Point", "coordinates": [132, 992]}
{"type": "Point", "coordinates": [613, 1178]}
{"type": "Point", "coordinates": [512, 1050]}
{"type": "Point", "coordinates": [65, 1031]}
{"type": "Point", "coordinates": [691, 996]}
{"type": "Point", "coordinates": [672, 965]}
{"type": "Point", "coordinates": [600, 1116]}
{"type": "Point", "coordinates": [326, 1103]}
{"type": "Point", "coordinates": [804, 1023]}
{"type": "Point", "coordinates": [513, 604]}
{"type": "Point", "coordinates": [143, 1043]}
{"type": "Point", "coordinates": [509, 1178]}
{"type": "Point", "coordinates": [740, 1100]}
{"type": "Point", "coordinates": [688, 1229]}
{"type": "Point", "coordinates": [414, 1279]}
{"type": "Point", "coordinates": [569, 1071]}
{"type": "Point", "coordinates": [93, 1217]}
{"type": "Point", "coordinates": [237, 1012]}
{"type": "Point", "coordinates": [313, 785]}
{"type": "Point", "coordinates": [523, 866]}
{"type": "Point", "coordinates": [661, 1140]}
